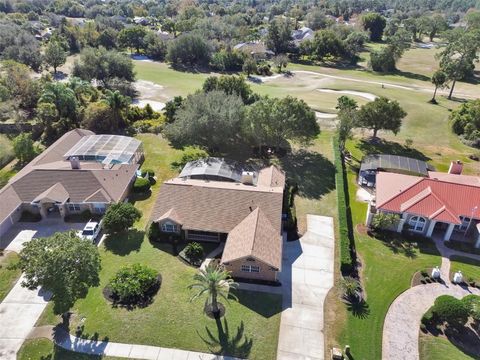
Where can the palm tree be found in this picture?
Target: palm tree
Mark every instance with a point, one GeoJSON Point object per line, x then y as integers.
{"type": "Point", "coordinates": [81, 88]}
{"type": "Point", "coordinates": [214, 282]}
{"type": "Point", "coordinates": [117, 103]}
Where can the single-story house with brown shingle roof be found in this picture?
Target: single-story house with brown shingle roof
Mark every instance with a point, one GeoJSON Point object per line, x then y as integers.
{"type": "Point", "coordinates": [219, 201]}
{"type": "Point", "coordinates": [80, 171]}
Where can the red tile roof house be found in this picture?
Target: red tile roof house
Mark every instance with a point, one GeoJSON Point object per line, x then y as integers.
{"type": "Point", "coordinates": [80, 171]}
{"type": "Point", "coordinates": [216, 200]}
{"type": "Point", "coordinates": [441, 205]}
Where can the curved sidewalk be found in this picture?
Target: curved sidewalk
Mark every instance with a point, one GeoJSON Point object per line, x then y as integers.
{"type": "Point", "coordinates": [402, 322]}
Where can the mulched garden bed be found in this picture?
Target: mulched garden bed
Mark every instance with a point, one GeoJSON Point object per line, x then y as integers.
{"type": "Point", "coordinates": [209, 313]}
{"type": "Point", "coordinates": [143, 302]}
{"type": "Point", "coordinates": [423, 277]}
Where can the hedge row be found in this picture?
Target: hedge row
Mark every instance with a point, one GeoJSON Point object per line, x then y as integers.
{"type": "Point", "coordinates": [290, 210]}
{"type": "Point", "coordinates": [347, 244]}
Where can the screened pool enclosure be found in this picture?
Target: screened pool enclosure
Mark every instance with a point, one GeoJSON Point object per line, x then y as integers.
{"type": "Point", "coordinates": [107, 149]}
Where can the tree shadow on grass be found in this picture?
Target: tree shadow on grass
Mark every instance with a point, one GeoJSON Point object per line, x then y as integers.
{"type": "Point", "coordinates": [171, 247]}
{"type": "Point", "coordinates": [466, 339]}
{"type": "Point", "coordinates": [405, 243]}
{"type": "Point", "coordinates": [124, 243]}
{"type": "Point", "coordinates": [359, 309]}
{"type": "Point", "coordinates": [313, 172]}
{"type": "Point", "coordinates": [391, 148]}
{"type": "Point", "coordinates": [61, 336]}
{"type": "Point", "coordinates": [264, 304]}
{"type": "Point", "coordinates": [134, 197]}
{"type": "Point", "coordinates": [221, 342]}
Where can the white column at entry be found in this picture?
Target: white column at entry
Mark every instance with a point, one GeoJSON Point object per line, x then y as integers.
{"type": "Point", "coordinates": [448, 233]}
{"type": "Point", "coordinates": [401, 222]}
{"type": "Point", "coordinates": [430, 228]}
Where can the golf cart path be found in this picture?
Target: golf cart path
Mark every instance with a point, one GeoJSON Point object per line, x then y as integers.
{"type": "Point", "coordinates": [402, 322]}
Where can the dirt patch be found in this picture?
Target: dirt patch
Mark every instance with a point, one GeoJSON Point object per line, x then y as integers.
{"type": "Point", "coordinates": [362, 229]}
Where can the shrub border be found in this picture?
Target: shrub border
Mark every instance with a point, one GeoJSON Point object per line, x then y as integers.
{"type": "Point", "coordinates": [345, 225]}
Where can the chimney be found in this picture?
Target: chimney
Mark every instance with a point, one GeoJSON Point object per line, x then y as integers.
{"type": "Point", "coordinates": [75, 162]}
{"type": "Point", "coordinates": [247, 177]}
{"type": "Point", "coordinates": [456, 167]}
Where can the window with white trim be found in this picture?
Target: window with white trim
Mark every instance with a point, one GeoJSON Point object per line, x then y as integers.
{"type": "Point", "coordinates": [99, 208]}
{"type": "Point", "coordinates": [250, 268]}
{"type": "Point", "coordinates": [74, 207]}
{"type": "Point", "coordinates": [417, 223]}
{"type": "Point", "coordinates": [167, 227]}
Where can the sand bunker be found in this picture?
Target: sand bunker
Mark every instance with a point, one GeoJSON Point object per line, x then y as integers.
{"type": "Point", "coordinates": [365, 95]}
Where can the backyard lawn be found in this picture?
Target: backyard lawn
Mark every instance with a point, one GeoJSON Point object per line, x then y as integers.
{"type": "Point", "coordinates": [8, 277]}
{"type": "Point", "coordinates": [171, 320]}
{"type": "Point", "coordinates": [439, 348]}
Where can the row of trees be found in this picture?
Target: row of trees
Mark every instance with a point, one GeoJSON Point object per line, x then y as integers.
{"type": "Point", "coordinates": [62, 106]}
{"type": "Point", "coordinates": [226, 112]}
{"type": "Point", "coordinates": [380, 114]}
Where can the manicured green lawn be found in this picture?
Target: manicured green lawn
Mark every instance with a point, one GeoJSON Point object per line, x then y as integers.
{"type": "Point", "coordinates": [439, 348]}
{"type": "Point", "coordinates": [172, 320]}
{"type": "Point", "coordinates": [386, 272]}
{"type": "Point", "coordinates": [8, 277]}
{"type": "Point", "coordinates": [43, 349]}
{"type": "Point", "coordinates": [469, 267]}
{"type": "Point", "coordinates": [175, 82]}
{"type": "Point", "coordinates": [159, 156]}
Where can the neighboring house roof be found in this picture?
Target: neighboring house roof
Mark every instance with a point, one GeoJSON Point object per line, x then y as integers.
{"type": "Point", "coordinates": [254, 237]}
{"type": "Point", "coordinates": [216, 206]}
{"type": "Point", "coordinates": [55, 193]}
{"type": "Point", "coordinates": [9, 201]}
{"type": "Point", "coordinates": [271, 177]}
{"type": "Point", "coordinates": [302, 34]}
{"type": "Point", "coordinates": [79, 184]}
{"type": "Point", "coordinates": [170, 215]}
{"type": "Point", "coordinates": [394, 163]}
{"type": "Point", "coordinates": [50, 177]}
{"type": "Point", "coordinates": [432, 198]}
{"type": "Point", "coordinates": [253, 47]}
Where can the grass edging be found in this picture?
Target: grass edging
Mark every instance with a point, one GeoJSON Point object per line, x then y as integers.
{"type": "Point", "coordinates": [347, 243]}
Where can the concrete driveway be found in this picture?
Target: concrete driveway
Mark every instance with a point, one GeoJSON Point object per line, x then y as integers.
{"type": "Point", "coordinates": [21, 308]}
{"type": "Point", "coordinates": [307, 276]}
{"type": "Point", "coordinates": [23, 232]}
